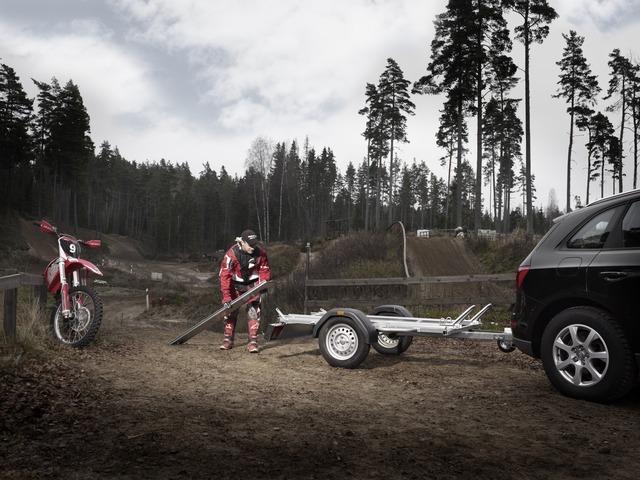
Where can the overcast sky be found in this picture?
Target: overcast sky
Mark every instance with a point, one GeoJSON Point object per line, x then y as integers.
{"type": "Point", "coordinates": [197, 80]}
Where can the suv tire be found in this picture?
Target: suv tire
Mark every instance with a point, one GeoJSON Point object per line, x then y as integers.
{"type": "Point", "coordinates": [587, 356]}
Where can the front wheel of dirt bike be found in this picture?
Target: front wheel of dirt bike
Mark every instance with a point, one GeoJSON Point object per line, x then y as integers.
{"type": "Point", "coordinates": [83, 324]}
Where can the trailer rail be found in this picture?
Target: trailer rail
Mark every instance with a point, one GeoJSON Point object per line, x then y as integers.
{"type": "Point", "coordinates": [345, 335]}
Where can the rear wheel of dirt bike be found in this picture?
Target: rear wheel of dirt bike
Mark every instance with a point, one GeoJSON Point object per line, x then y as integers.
{"type": "Point", "coordinates": [83, 324]}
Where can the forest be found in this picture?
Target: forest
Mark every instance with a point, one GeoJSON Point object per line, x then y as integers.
{"type": "Point", "coordinates": [294, 191]}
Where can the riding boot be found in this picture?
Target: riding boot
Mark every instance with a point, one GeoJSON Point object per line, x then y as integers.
{"type": "Point", "coordinates": [253, 325]}
{"type": "Point", "coordinates": [229, 329]}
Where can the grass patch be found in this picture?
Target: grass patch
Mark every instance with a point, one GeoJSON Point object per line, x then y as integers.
{"type": "Point", "coordinates": [282, 259]}
{"type": "Point", "coordinates": [33, 339]}
{"type": "Point", "coordinates": [373, 269]}
{"type": "Point", "coordinates": [360, 255]}
{"type": "Point", "coordinates": [502, 257]}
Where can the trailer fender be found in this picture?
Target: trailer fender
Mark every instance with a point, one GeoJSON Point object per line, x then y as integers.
{"type": "Point", "coordinates": [370, 332]}
{"type": "Point", "coordinates": [396, 310]}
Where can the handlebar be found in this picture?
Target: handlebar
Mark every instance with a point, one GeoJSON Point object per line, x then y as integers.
{"type": "Point", "coordinates": [48, 228]}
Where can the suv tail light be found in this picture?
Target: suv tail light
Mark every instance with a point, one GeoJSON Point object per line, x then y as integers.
{"type": "Point", "coordinates": [522, 272]}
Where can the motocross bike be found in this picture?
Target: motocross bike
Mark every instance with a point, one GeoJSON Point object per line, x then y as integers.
{"type": "Point", "coordinates": [76, 318]}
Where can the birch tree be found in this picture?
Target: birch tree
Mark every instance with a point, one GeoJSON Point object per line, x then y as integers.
{"type": "Point", "coordinates": [260, 159]}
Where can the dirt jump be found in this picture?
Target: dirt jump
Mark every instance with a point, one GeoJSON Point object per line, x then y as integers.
{"type": "Point", "coordinates": [132, 406]}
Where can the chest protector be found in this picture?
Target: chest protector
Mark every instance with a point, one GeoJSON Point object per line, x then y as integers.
{"type": "Point", "coordinates": [246, 261]}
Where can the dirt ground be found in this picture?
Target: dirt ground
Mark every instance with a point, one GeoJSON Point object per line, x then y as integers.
{"type": "Point", "coordinates": [444, 409]}
{"type": "Point", "coordinates": [132, 406]}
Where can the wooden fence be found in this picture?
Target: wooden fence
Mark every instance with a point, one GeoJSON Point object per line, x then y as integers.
{"type": "Point", "coordinates": [9, 285]}
{"type": "Point", "coordinates": [410, 299]}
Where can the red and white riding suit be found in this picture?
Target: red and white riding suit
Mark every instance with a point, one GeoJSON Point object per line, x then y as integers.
{"type": "Point", "coordinates": [240, 272]}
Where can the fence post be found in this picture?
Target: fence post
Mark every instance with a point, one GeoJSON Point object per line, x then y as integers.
{"type": "Point", "coordinates": [10, 309]}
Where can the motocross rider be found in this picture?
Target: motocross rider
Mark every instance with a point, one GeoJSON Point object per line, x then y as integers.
{"type": "Point", "coordinates": [244, 265]}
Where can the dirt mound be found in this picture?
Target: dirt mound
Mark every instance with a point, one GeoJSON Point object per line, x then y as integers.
{"type": "Point", "coordinates": [43, 245]}
{"type": "Point", "coordinates": [445, 256]}
{"type": "Point", "coordinates": [440, 256]}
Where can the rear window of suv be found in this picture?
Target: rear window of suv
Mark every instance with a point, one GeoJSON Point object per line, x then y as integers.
{"type": "Point", "coordinates": [595, 232]}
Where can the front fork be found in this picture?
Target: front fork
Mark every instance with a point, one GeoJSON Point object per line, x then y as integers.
{"type": "Point", "coordinates": [76, 279]}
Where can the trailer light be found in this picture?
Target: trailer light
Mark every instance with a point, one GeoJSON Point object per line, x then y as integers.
{"type": "Point", "coordinates": [340, 313]}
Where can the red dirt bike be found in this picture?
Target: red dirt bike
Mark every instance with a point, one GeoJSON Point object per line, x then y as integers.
{"type": "Point", "coordinates": [76, 318]}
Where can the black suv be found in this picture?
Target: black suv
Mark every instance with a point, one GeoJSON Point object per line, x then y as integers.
{"type": "Point", "coordinates": [576, 305]}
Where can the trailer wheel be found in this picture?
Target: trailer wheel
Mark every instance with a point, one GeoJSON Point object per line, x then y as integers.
{"type": "Point", "coordinates": [506, 346]}
{"type": "Point", "coordinates": [392, 344]}
{"type": "Point", "coordinates": [342, 343]}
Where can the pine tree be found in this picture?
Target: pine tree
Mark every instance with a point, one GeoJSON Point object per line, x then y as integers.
{"type": "Point", "coordinates": [15, 141]}
{"type": "Point", "coordinates": [64, 144]}
{"type": "Point", "coordinates": [536, 17]}
{"type": "Point", "coordinates": [600, 149]}
{"type": "Point", "coordinates": [393, 89]}
{"type": "Point", "coordinates": [491, 37]}
{"type": "Point", "coordinates": [377, 136]}
{"type": "Point", "coordinates": [447, 138]}
{"type": "Point", "coordinates": [587, 120]}
{"type": "Point", "coordinates": [578, 86]}
{"type": "Point", "coordinates": [452, 71]}
{"type": "Point", "coordinates": [621, 83]}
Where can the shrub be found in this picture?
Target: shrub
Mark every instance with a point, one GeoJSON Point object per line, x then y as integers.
{"type": "Point", "coordinates": [32, 330]}
{"type": "Point", "coordinates": [502, 256]}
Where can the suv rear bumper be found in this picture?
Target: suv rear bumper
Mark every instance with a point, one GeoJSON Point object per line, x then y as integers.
{"type": "Point", "coordinates": [524, 346]}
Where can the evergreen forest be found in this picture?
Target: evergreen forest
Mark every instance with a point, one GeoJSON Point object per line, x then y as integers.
{"type": "Point", "coordinates": [294, 191]}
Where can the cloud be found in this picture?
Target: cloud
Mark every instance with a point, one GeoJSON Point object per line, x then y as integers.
{"type": "Point", "coordinates": [287, 61]}
{"type": "Point", "coordinates": [112, 80]}
{"type": "Point", "coordinates": [605, 16]}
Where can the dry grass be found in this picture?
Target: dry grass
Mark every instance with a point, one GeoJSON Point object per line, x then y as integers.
{"type": "Point", "coordinates": [32, 330]}
{"type": "Point", "coordinates": [502, 257]}
{"type": "Point", "coordinates": [283, 258]}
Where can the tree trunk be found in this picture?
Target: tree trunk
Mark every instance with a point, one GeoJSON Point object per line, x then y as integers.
{"type": "Point", "coordinates": [478, 209]}
{"type": "Point", "coordinates": [459, 172]}
{"type": "Point", "coordinates": [569, 157]}
{"type": "Point", "coordinates": [378, 196]}
{"type": "Point", "coordinates": [622, 121]}
{"type": "Point", "coordinates": [527, 126]}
